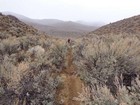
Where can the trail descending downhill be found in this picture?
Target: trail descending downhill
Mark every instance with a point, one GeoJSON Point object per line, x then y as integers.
{"type": "Point", "coordinates": [100, 68]}
{"type": "Point", "coordinates": [71, 84]}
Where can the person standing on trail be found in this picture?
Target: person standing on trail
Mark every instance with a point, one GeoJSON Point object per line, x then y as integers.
{"type": "Point", "coordinates": [69, 41]}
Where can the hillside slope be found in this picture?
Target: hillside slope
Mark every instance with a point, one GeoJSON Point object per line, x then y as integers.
{"type": "Point", "coordinates": [57, 27]}
{"type": "Point", "coordinates": [39, 70]}
{"type": "Point", "coordinates": [64, 29]}
{"type": "Point", "coordinates": [11, 26]}
{"type": "Point", "coordinates": [24, 60]}
{"type": "Point", "coordinates": [129, 25]}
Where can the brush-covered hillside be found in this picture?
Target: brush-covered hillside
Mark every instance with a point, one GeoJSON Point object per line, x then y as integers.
{"type": "Point", "coordinates": [10, 26]}
{"type": "Point", "coordinates": [129, 25]}
{"type": "Point", "coordinates": [57, 28]}
{"type": "Point", "coordinates": [25, 63]}
{"type": "Point", "coordinates": [92, 70]}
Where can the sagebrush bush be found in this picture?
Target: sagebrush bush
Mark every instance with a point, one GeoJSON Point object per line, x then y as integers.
{"type": "Point", "coordinates": [40, 87]}
{"type": "Point", "coordinates": [107, 57]}
{"type": "Point", "coordinates": [58, 56]}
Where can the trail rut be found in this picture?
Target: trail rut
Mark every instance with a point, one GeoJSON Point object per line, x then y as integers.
{"type": "Point", "coordinates": [71, 84]}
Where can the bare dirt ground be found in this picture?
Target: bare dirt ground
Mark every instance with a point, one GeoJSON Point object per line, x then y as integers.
{"type": "Point", "coordinates": [71, 85]}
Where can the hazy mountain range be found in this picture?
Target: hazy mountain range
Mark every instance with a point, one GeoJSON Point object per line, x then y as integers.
{"type": "Point", "coordinates": [57, 27]}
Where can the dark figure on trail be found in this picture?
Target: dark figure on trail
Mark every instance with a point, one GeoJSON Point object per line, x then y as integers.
{"type": "Point", "coordinates": [69, 41]}
{"type": "Point", "coordinates": [127, 80]}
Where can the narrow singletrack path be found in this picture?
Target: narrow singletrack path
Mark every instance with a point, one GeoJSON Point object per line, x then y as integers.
{"type": "Point", "coordinates": [71, 84]}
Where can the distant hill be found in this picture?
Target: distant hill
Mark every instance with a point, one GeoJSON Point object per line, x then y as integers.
{"type": "Point", "coordinates": [129, 26]}
{"type": "Point", "coordinates": [57, 27]}
{"type": "Point", "coordinates": [12, 26]}
{"type": "Point", "coordinates": [63, 29]}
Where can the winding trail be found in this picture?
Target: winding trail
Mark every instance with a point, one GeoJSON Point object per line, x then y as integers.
{"type": "Point", "coordinates": [71, 84]}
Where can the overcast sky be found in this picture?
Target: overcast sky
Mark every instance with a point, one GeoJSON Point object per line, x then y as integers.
{"type": "Point", "coordinates": [86, 10]}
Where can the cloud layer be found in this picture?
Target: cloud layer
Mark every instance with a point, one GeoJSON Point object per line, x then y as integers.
{"type": "Point", "coordinates": [86, 10]}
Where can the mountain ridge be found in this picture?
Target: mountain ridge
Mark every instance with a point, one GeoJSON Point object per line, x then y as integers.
{"type": "Point", "coordinates": [57, 27]}
{"type": "Point", "coordinates": [129, 25]}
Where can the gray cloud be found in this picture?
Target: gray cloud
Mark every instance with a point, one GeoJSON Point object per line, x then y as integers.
{"type": "Point", "coordinates": [86, 10]}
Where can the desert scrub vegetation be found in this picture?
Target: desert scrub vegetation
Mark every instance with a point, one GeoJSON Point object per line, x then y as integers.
{"type": "Point", "coordinates": [25, 71]}
{"type": "Point", "coordinates": [58, 56]}
{"type": "Point", "coordinates": [111, 62]}
{"type": "Point", "coordinates": [102, 96]}
{"type": "Point", "coordinates": [26, 65]}
{"type": "Point", "coordinates": [11, 26]}
{"type": "Point", "coordinates": [31, 65]}
{"type": "Point", "coordinates": [37, 87]}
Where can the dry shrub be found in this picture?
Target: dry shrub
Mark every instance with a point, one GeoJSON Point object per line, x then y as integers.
{"type": "Point", "coordinates": [58, 56]}
{"type": "Point", "coordinates": [104, 58]}
{"type": "Point", "coordinates": [9, 46]}
{"type": "Point", "coordinates": [38, 89]}
{"type": "Point", "coordinates": [36, 51]}
{"type": "Point", "coordinates": [101, 96]}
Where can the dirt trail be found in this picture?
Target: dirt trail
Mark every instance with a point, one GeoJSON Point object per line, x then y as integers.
{"type": "Point", "coordinates": [71, 84]}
